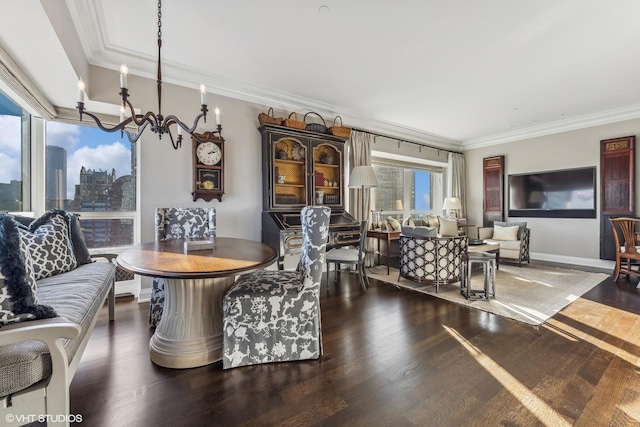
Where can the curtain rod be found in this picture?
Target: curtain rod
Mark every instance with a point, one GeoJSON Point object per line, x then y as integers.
{"type": "Point", "coordinates": [408, 142]}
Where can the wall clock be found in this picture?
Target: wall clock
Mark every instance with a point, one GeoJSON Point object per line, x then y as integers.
{"type": "Point", "coordinates": [208, 166]}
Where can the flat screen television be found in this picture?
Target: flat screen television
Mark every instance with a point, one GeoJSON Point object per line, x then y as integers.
{"type": "Point", "coordinates": [569, 193]}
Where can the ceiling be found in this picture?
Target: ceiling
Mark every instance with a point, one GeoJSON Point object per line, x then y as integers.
{"type": "Point", "coordinates": [462, 73]}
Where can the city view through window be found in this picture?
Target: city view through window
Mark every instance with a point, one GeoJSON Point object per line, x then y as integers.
{"type": "Point", "coordinates": [89, 170]}
{"type": "Point", "coordinates": [86, 170]}
{"type": "Point", "coordinates": [402, 190]}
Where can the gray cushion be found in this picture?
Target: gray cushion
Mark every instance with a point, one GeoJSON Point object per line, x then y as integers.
{"type": "Point", "coordinates": [521, 225]}
{"type": "Point", "coordinates": [419, 231]}
{"type": "Point", "coordinates": [77, 296]}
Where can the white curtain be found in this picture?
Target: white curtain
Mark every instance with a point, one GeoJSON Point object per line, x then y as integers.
{"type": "Point", "coordinates": [359, 155]}
{"type": "Point", "coordinates": [456, 174]}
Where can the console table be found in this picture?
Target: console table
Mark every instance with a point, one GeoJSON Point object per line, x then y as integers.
{"type": "Point", "coordinates": [387, 236]}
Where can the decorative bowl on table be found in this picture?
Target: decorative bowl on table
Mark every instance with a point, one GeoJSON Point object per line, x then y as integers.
{"type": "Point", "coordinates": [476, 242]}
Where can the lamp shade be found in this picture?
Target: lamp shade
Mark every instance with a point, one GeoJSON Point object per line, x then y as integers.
{"type": "Point", "coordinates": [363, 176]}
{"type": "Point", "coordinates": [397, 205]}
{"type": "Point", "coordinates": [452, 203]}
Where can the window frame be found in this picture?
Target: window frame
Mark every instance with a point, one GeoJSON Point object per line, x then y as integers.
{"type": "Point", "coordinates": [384, 159]}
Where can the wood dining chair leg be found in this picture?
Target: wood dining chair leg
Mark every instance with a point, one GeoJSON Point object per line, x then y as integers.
{"type": "Point", "coordinates": [616, 269]}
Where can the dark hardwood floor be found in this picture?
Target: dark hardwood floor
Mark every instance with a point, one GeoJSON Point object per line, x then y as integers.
{"type": "Point", "coordinates": [392, 357]}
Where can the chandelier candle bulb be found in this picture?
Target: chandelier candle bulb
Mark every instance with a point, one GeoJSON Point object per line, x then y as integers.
{"type": "Point", "coordinates": [217, 110]}
{"type": "Point", "coordinates": [122, 111]}
{"type": "Point", "coordinates": [203, 95]}
{"type": "Point", "coordinates": [179, 131]}
{"type": "Point", "coordinates": [123, 76]}
{"type": "Point", "coordinates": [80, 90]}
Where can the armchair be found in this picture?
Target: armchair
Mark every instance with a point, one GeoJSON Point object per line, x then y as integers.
{"type": "Point", "coordinates": [515, 247]}
{"type": "Point", "coordinates": [431, 260]}
{"type": "Point", "coordinates": [177, 223]}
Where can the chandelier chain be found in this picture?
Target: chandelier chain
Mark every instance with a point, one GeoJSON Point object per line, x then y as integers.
{"type": "Point", "coordinates": [159, 19]}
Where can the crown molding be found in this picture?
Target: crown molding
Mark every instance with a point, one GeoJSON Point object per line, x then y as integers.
{"type": "Point", "coordinates": [178, 74]}
{"type": "Point", "coordinates": [586, 121]}
{"type": "Point", "coordinates": [101, 52]}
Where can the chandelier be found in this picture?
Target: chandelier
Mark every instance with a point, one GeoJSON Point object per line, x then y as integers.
{"type": "Point", "coordinates": [159, 123]}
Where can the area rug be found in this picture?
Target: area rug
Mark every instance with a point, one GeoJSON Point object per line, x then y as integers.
{"type": "Point", "coordinates": [529, 294]}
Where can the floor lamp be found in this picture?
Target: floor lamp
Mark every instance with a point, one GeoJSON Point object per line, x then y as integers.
{"type": "Point", "coordinates": [363, 177]}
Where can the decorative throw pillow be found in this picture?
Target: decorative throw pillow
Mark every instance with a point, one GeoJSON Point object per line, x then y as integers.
{"type": "Point", "coordinates": [434, 221]}
{"type": "Point", "coordinates": [80, 249]}
{"type": "Point", "coordinates": [49, 242]}
{"type": "Point", "coordinates": [393, 224]}
{"type": "Point", "coordinates": [505, 233]}
{"type": "Point", "coordinates": [448, 227]}
{"type": "Point", "coordinates": [521, 226]}
{"type": "Point", "coordinates": [18, 298]}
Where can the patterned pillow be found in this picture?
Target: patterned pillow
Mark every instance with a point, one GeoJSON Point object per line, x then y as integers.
{"type": "Point", "coordinates": [80, 249]}
{"type": "Point", "coordinates": [18, 299]}
{"type": "Point", "coordinates": [49, 242]}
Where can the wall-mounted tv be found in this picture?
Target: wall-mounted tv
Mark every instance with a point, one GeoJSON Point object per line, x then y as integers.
{"type": "Point", "coordinates": [569, 193]}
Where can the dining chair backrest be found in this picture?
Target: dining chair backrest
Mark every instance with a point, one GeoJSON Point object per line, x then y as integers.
{"type": "Point", "coordinates": [182, 223]}
{"type": "Point", "coordinates": [624, 233]}
{"type": "Point", "coordinates": [315, 231]}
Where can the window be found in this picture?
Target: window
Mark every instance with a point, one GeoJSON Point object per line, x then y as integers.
{"type": "Point", "coordinates": [404, 190]}
{"type": "Point", "coordinates": [94, 173]}
{"type": "Point", "coordinates": [14, 156]}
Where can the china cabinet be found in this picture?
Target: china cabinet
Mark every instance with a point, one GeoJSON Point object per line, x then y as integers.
{"type": "Point", "coordinates": [302, 168]}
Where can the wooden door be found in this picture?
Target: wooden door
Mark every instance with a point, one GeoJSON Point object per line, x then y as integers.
{"type": "Point", "coordinates": [617, 187]}
{"type": "Point", "coordinates": [493, 190]}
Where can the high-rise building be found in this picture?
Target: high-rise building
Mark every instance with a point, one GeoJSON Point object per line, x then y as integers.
{"type": "Point", "coordinates": [56, 177]}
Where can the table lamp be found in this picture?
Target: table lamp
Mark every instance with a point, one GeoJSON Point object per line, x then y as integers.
{"type": "Point", "coordinates": [363, 177]}
{"type": "Point", "coordinates": [452, 204]}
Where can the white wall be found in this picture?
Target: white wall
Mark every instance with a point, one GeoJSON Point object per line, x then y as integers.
{"type": "Point", "coordinates": [554, 239]}
{"type": "Point", "coordinates": [166, 174]}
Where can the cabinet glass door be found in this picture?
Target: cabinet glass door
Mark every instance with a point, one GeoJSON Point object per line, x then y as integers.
{"type": "Point", "coordinates": [327, 175]}
{"type": "Point", "coordinates": [289, 172]}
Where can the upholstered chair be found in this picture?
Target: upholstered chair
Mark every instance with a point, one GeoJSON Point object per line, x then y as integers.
{"type": "Point", "coordinates": [178, 223]}
{"type": "Point", "coordinates": [352, 256]}
{"type": "Point", "coordinates": [274, 315]}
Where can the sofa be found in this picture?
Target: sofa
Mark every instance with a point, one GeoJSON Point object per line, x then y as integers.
{"type": "Point", "coordinates": [431, 260]}
{"type": "Point", "coordinates": [513, 238]}
{"type": "Point", "coordinates": [42, 339]}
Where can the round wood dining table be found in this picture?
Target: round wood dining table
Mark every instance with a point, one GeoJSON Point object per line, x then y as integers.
{"type": "Point", "coordinates": [190, 331]}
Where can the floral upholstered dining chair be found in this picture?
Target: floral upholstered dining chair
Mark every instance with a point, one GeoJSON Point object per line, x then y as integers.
{"type": "Point", "coordinates": [178, 223]}
{"type": "Point", "coordinates": [274, 315]}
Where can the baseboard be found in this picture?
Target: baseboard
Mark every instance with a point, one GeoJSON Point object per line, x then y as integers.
{"type": "Point", "coordinates": [130, 287]}
{"type": "Point", "coordinates": [144, 295]}
{"type": "Point", "coordinates": [587, 262]}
